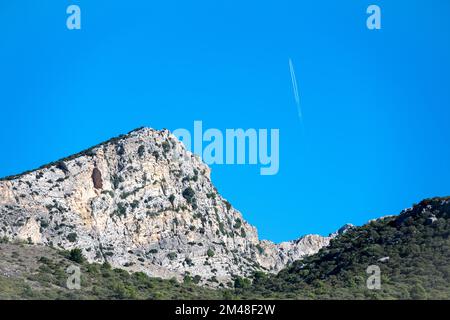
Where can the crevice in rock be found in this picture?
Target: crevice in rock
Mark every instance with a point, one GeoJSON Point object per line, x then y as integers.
{"type": "Point", "coordinates": [97, 178]}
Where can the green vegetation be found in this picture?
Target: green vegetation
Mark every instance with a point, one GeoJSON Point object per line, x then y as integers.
{"type": "Point", "coordinates": [228, 205]}
{"type": "Point", "coordinates": [166, 146]}
{"type": "Point", "coordinates": [4, 240]}
{"type": "Point", "coordinates": [117, 180]}
{"type": "Point", "coordinates": [210, 253]}
{"type": "Point", "coordinates": [49, 279]}
{"type": "Point", "coordinates": [412, 250]}
{"type": "Point", "coordinates": [171, 199]}
{"type": "Point", "coordinates": [189, 194]}
{"type": "Point", "coordinates": [62, 166]}
{"type": "Point", "coordinates": [260, 249]}
{"type": "Point", "coordinates": [134, 204]}
{"type": "Point", "coordinates": [141, 151]}
{"type": "Point", "coordinates": [121, 209]}
{"type": "Point", "coordinates": [72, 237]}
{"type": "Point", "coordinates": [172, 255]}
{"type": "Point", "coordinates": [242, 283]}
{"type": "Point", "coordinates": [76, 255]}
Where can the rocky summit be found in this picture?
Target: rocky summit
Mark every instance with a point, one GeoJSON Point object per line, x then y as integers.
{"type": "Point", "coordinates": [141, 202]}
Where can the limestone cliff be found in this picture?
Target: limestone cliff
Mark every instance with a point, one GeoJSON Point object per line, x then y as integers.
{"type": "Point", "coordinates": [142, 202]}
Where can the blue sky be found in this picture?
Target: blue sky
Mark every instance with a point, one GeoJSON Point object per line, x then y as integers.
{"type": "Point", "coordinates": [375, 135]}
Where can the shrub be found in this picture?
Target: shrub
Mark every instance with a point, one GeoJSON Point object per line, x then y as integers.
{"type": "Point", "coordinates": [97, 178]}
{"type": "Point", "coordinates": [134, 204]}
{"type": "Point", "coordinates": [172, 255]}
{"type": "Point", "coordinates": [61, 165]}
{"type": "Point", "coordinates": [121, 209]}
{"type": "Point", "coordinates": [188, 194]}
{"type": "Point", "coordinates": [116, 180]}
{"type": "Point", "coordinates": [211, 195]}
{"type": "Point", "coordinates": [241, 283]}
{"type": "Point", "coordinates": [189, 262]}
{"type": "Point", "coordinates": [4, 239]}
{"type": "Point", "coordinates": [222, 228]}
{"type": "Point", "coordinates": [166, 146]}
{"type": "Point", "coordinates": [197, 279]}
{"type": "Point", "coordinates": [141, 151]}
{"type": "Point", "coordinates": [76, 255]}
{"type": "Point", "coordinates": [210, 253]}
{"type": "Point", "coordinates": [187, 280]}
{"type": "Point", "coordinates": [171, 199]}
{"type": "Point", "coordinates": [156, 155]}
{"type": "Point", "coordinates": [260, 249]}
{"type": "Point", "coordinates": [72, 237]}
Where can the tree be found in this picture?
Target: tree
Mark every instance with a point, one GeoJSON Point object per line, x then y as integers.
{"type": "Point", "coordinates": [76, 255]}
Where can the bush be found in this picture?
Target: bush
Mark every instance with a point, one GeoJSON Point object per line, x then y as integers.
{"type": "Point", "coordinates": [228, 205]}
{"type": "Point", "coordinates": [260, 249]}
{"type": "Point", "coordinates": [241, 283]}
{"type": "Point", "coordinates": [76, 255]}
{"type": "Point", "coordinates": [172, 256]}
{"type": "Point", "coordinates": [4, 239]}
{"type": "Point", "coordinates": [141, 151]}
{"type": "Point", "coordinates": [166, 146]}
{"type": "Point", "coordinates": [72, 237]}
{"type": "Point", "coordinates": [134, 204]}
{"type": "Point", "coordinates": [187, 280]}
{"type": "Point", "coordinates": [188, 194]}
{"type": "Point", "coordinates": [189, 262]}
{"type": "Point", "coordinates": [61, 165]}
{"type": "Point", "coordinates": [171, 199]}
{"type": "Point", "coordinates": [121, 209]}
{"type": "Point", "coordinates": [210, 253]}
{"type": "Point", "coordinates": [197, 279]}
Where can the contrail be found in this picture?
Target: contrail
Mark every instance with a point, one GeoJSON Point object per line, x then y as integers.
{"type": "Point", "coordinates": [294, 86]}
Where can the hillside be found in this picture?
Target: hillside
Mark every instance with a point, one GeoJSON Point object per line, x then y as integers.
{"type": "Point", "coordinates": [412, 251]}
{"type": "Point", "coordinates": [39, 272]}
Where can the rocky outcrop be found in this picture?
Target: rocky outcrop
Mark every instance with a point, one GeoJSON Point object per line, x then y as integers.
{"type": "Point", "coordinates": [144, 203]}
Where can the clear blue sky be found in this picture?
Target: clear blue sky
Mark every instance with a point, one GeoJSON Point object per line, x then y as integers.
{"type": "Point", "coordinates": [375, 103]}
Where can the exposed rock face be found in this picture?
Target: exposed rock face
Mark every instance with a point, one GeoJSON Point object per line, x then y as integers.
{"type": "Point", "coordinates": [143, 203]}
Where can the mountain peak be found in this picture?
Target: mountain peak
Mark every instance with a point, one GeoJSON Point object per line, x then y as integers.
{"type": "Point", "coordinates": [141, 202]}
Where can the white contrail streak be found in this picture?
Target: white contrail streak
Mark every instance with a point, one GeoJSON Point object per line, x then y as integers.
{"type": "Point", "coordinates": [295, 88]}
